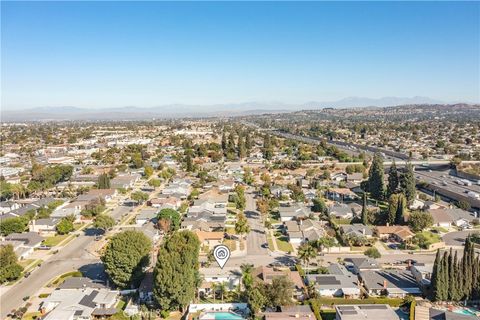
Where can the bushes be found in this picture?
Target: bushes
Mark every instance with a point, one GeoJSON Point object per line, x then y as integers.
{"type": "Point", "coordinates": [412, 310]}
{"type": "Point", "coordinates": [315, 308]}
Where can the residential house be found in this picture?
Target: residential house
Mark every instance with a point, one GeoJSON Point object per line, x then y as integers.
{"type": "Point", "coordinates": [341, 194]}
{"type": "Point", "coordinates": [205, 221]}
{"type": "Point", "coordinates": [229, 276]}
{"type": "Point", "coordinates": [304, 230]}
{"type": "Point", "coordinates": [422, 272]}
{"type": "Point", "coordinates": [124, 181]}
{"type": "Point", "coordinates": [44, 227]}
{"type": "Point", "coordinates": [145, 215]}
{"type": "Point", "coordinates": [340, 211]}
{"type": "Point", "coordinates": [294, 212]}
{"type": "Point", "coordinates": [209, 238]}
{"type": "Point", "coordinates": [105, 194]}
{"type": "Point", "coordinates": [166, 202]}
{"type": "Point", "coordinates": [356, 265]}
{"type": "Point", "coordinates": [226, 185]}
{"type": "Point", "coordinates": [392, 283]}
{"type": "Point", "coordinates": [7, 206]}
{"type": "Point", "coordinates": [335, 285]}
{"type": "Point", "coordinates": [398, 233]}
{"type": "Point", "coordinates": [356, 229]}
{"type": "Point", "coordinates": [69, 209]}
{"type": "Point", "coordinates": [451, 217]}
{"type": "Point", "coordinates": [291, 312]}
{"type": "Point", "coordinates": [79, 303]}
{"type": "Point", "coordinates": [355, 177]}
{"type": "Point", "coordinates": [23, 243]}
{"type": "Point", "coordinates": [365, 312]}
{"type": "Point", "coordinates": [266, 275]}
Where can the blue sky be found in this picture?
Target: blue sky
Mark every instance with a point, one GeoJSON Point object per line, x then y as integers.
{"type": "Point", "coordinates": [112, 54]}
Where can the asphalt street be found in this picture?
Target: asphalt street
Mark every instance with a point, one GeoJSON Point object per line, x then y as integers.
{"type": "Point", "coordinates": [72, 257]}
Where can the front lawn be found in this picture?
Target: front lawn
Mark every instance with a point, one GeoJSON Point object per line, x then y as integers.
{"type": "Point", "coordinates": [283, 244]}
{"type": "Point", "coordinates": [425, 239]}
{"type": "Point", "coordinates": [53, 241]}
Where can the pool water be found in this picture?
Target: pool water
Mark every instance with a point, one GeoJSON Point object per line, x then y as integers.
{"type": "Point", "coordinates": [465, 312]}
{"type": "Point", "coordinates": [221, 316]}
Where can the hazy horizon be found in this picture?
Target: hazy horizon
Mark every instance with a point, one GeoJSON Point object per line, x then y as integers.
{"type": "Point", "coordinates": [101, 55]}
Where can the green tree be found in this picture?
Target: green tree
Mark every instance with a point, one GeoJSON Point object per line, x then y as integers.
{"type": "Point", "coordinates": [256, 298]}
{"type": "Point", "coordinates": [392, 208]}
{"type": "Point", "coordinates": [242, 151]}
{"type": "Point", "coordinates": [306, 252]}
{"type": "Point", "coordinates": [373, 253]}
{"type": "Point", "coordinates": [375, 177]}
{"type": "Point", "coordinates": [241, 225]}
{"type": "Point", "coordinates": [267, 147]}
{"type": "Point", "coordinates": [248, 176]}
{"type": "Point", "coordinates": [13, 225]}
{"type": "Point", "coordinates": [319, 205]}
{"type": "Point", "coordinates": [169, 217]}
{"type": "Point", "coordinates": [437, 279]}
{"type": "Point", "coordinates": [9, 268]}
{"type": "Point", "coordinates": [103, 181]}
{"type": "Point", "coordinates": [125, 256]}
{"type": "Point", "coordinates": [65, 225]}
{"type": "Point", "coordinates": [177, 259]}
{"type": "Point", "coordinates": [104, 222]}
{"type": "Point", "coordinates": [407, 183]}
{"type": "Point", "coordinates": [247, 277]}
{"type": "Point", "coordinates": [139, 196]}
{"type": "Point", "coordinates": [419, 220]}
{"type": "Point", "coordinates": [364, 214]}
{"type": "Point", "coordinates": [393, 179]}
{"type": "Point", "coordinates": [279, 292]}
{"type": "Point", "coordinates": [401, 209]}
{"type": "Point", "coordinates": [148, 171]}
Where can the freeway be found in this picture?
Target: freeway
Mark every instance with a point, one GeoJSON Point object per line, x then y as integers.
{"type": "Point", "coordinates": [435, 178]}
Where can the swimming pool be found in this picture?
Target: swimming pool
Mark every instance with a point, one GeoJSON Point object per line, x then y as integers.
{"type": "Point", "coordinates": [466, 312]}
{"type": "Point", "coordinates": [221, 316]}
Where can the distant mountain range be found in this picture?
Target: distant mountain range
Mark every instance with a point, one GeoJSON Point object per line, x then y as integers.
{"type": "Point", "coordinates": [184, 110]}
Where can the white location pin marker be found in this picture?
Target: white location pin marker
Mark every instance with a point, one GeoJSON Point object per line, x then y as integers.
{"type": "Point", "coordinates": [221, 254]}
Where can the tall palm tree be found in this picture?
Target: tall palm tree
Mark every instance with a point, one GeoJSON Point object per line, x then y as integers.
{"type": "Point", "coordinates": [306, 252]}
{"type": "Point", "coordinates": [213, 287]}
{"type": "Point", "coordinates": [222, 287]}
{"type": "Point", "coordinates": [247, 279]}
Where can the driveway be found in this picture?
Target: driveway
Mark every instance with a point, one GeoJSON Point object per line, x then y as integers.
{"type": "Point", "coordinates": [457, 238]}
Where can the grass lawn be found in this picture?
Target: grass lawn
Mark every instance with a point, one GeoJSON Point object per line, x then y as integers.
{"type": "Point", "coordinates": [270, 242]}
{"type": "Point", "coordinates": [53, 241]}
{"type": "Point", "coordinates": [230, 230]}
{"type": "Point", "coordinates": [283, 244]}
{"type": "Point", "coordinates": [25, 262]}
{"type": "Point", "coordinates": [64, 276]}
{"type": "Point", "coordinates": [430, 238]}
{"type": "Point", "coordinates": [440, 229]}
{"type": "Point", "coordinates": [230, 244]}
{"type": "Point", "coordinates": [342, 221]}
{"type": "Point", "coordinates": [31, 315]}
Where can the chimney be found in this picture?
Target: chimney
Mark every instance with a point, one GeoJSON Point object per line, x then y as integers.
{"type": "Point", "coordinates": [384, 284]}
{"type": "Point", "coordinates": [363, 231]}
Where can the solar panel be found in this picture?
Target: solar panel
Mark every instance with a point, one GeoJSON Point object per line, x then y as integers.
{"type": "Point", "coordinates": [372, 307]}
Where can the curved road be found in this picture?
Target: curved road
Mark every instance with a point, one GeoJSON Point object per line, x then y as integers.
{"type": "Point", "coordinates": [72, 257]}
